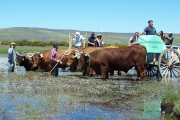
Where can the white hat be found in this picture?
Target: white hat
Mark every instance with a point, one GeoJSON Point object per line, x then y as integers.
{"type": "Point", "coordinates": [170, 32]}
{"type": "Point", "coordinates": [13, 43]}
{"type": "Point", "coordinates": [77, 34]}
{"type": "Point", "coordinates": [99, 35]}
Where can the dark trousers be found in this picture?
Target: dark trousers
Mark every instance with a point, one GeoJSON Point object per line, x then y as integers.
{"type": "Point", "coordinates": [54, 72]}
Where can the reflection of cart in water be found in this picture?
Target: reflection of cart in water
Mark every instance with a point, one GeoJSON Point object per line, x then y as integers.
{"type": "Point", "coordinates": [161, 60]}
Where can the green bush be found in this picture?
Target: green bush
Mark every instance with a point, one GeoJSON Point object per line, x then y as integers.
{"type": "Point", "coordinates": [50, 43]}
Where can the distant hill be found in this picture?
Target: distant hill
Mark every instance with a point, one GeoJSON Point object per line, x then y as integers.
{"type": "Point", "coordinates": [42, 34]}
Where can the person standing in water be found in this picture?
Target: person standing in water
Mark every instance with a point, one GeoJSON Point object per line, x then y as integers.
{"type": "Point", "coordinates": [12, 57]}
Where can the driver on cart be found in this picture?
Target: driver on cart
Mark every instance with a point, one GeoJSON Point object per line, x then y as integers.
{"type": "Point", "coordinates": [134, 40]}
{"type": "Point", "coordinates": [150, 30]}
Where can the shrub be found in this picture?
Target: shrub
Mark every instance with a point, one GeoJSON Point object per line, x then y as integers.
{"type": "Point", "coordinates": [50, 43]}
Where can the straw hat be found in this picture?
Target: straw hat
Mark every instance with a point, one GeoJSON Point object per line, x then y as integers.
{"type": "Point", "coordinates": [13, 43]}
{"type": "Point", "coordinates": [77, 34]}
{"type": "Point", "coordinates": [99, 35]}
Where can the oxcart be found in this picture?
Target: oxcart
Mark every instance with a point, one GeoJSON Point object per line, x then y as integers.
{"type": "Point", "coordinates": [161, 59]}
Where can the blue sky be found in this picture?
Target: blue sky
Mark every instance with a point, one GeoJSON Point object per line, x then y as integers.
{"type": "Point", "coordinates": [109, 15]}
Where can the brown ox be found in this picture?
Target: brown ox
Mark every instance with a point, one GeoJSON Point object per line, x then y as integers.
{"type": "Point", "coordinates": [74, 57]}
{"type": "Point", "coordinates": [123, 59]}
{"type": "Point", "coordinates": [42, 60]}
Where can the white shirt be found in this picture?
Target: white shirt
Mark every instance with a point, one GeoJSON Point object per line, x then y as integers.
{"type": "Point", "coordinates": [78, 40]}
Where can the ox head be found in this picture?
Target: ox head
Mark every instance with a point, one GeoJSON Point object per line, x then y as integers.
{"type": "Point", "coordinates": [25, 60]}
{"type": "Point", "coordinates": [20, 60]}
{"type": "Point", "coordinates": [83, 61]}
{"type": "Point", "coordinates": [37, 59]}
{"type": "Point", "coordinates": [73, 58]}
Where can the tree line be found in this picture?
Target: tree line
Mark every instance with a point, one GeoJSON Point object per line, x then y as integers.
{"type": "Point", "coordinates": [43, 43]}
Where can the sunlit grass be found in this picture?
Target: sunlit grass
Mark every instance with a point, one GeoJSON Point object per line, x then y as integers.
{"type": "Point", "coordinates": [4, 48]}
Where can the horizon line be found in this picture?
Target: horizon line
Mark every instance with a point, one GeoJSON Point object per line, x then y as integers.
{"type": "Point", "coordinates": [71, 30]}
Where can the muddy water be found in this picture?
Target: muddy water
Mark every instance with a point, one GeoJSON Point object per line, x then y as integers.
{"type": "Point", "coordinates": [36, 95]}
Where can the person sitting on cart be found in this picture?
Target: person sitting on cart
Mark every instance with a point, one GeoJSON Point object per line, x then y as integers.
{"type": "Point", "coordinates": [91, 40]}
{"type": "Point", "coordinates": [169, 39]}
{"type": "Point", "coordinates": [150, 30]}
{"type": "Point", "coordinates": [162, 35]}
{"type": "Point", "coordinates": [99, 42]}
{"type": "Point", "coordinates": [78, 40]}
{"type": "Point", "coordinates": [134, 39]}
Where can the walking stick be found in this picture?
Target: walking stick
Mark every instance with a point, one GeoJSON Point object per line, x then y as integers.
{"type": "Point", "coordinates": [84, 42]}
{"type": "Point", "coordinates": [14, 62]}
{"type": "Point", "coordinates": [62, 57]}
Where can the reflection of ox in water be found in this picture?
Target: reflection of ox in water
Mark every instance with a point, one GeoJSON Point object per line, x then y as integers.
{"type": "Point", "coordinates": [123, 59]}
{"type": "Point", "coordinates": [75, 55]}
{"type": "Point", "coordinates": [25, 61]}
{"type": "Point", "coordinates": [42, 60]}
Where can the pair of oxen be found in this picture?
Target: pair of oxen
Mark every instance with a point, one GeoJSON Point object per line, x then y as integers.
{"type": "Point", "coordinates": [100, 60]}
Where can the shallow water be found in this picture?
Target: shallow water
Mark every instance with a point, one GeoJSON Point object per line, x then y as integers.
{"type": "Point", "coordinates": [36, 95]}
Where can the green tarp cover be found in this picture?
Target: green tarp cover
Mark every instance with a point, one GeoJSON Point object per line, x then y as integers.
{"type": "Point", "coordinates": [153, 43]}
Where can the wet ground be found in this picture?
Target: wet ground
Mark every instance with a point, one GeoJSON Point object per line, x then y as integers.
{"type": "Point", "coordinates": [37, 95]}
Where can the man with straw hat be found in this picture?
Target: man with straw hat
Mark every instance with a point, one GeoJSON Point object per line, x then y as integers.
{"type": "Point", "coordinates": [169, 39]}
{"type": "Point", "coordinates": [12, 57]}
{"type": "Point", "coordinates": [78, 40]}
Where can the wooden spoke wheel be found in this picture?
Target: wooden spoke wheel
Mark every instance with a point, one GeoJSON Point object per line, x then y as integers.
{"type": "Point", "coordinates": [151, 70]}
{"type": "Point", "coordinates": [169, 63]}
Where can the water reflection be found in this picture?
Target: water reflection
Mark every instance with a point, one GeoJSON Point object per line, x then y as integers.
{"type": "Point", "coordinates": [4, 65]}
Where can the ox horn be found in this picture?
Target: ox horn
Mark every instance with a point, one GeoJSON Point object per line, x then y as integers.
{"type": "Point", "coordinates": [86, 54]}
{"type": "Point", "coordinates": [76, 56]}
{"type": "Point", "coordinates": [41, 55]}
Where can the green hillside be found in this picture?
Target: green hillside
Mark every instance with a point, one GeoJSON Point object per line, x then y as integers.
{"type": "Point", "coordinates": [42, 34]}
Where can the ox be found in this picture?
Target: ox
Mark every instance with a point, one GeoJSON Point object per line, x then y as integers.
{"type": "Point", "coordinates": [75, 55]}
{"type": "Point", "coordinates": [25, 61]}
{"type": "Point", "coordinates": [45, 63]}
{"type": "Point", "coordinates": [123, 59]}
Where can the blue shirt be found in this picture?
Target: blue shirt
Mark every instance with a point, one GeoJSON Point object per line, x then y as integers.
{"type": "Point", "coordinates": [92, 40]}
{"type": "Point", "coordinates": [133, 39]}
{"type": "Point", "coordinates": [12, 55]}
{"type": "Point", "coordinates": [150, 30]}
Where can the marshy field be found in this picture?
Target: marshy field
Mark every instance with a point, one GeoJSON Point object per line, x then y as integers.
{"type": "Point", "coordinates": [37, 95]}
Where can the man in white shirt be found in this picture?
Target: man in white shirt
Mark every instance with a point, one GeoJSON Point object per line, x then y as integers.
{"type": "Point", "coordinates": [78, 40]}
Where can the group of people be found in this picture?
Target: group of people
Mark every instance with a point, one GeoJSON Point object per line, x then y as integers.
{"type": "Point", "coordinates": [92, 40]}
{"type": "Point", "coordinates": [150, 30]}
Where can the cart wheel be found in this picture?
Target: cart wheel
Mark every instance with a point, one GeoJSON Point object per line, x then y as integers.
{"type": "Point", "coordinates": [169, 63]}
{"type": "Point", "coordinates": [151, 70]}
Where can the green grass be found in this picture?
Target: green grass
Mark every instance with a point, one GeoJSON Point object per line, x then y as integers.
{"type": "Point", "coordinates": [171, 97]}
{"type": "Point", "coordinates": [175, 98]}
{"type": "Point", "coordinates": [4, 48]}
